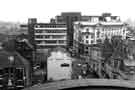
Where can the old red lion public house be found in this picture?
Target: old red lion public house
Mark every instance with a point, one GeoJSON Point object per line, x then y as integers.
{"type": "Point", "coordinates": [14, 71]}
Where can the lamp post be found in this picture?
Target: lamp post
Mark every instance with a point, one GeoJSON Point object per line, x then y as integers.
{"type": "Point", "coordinates": [11, 60]}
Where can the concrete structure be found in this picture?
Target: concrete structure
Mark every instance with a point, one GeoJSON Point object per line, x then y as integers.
{"type": "Point", "coordinates": [97, 29]}
{"type": "Point", "coordinates": [48, 35]}
{"type": "Point", "coordinates": [68, 18]}
{"type": "Point", "coordinates": [59, 65]}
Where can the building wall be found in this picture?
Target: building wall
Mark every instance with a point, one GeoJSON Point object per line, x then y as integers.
{"type": "Point", "coordinates": [50, 35]}
{"type": "Point", "coordinates": [91, 34]}
{"type": "Point", "coordinates": [59, 66]}
{"type": "Point", "coordinates": [96, 29]}
{"type": "Point", "coordinates": [31, 23]}
{"type": "Point", "coordinates": [68, 18]}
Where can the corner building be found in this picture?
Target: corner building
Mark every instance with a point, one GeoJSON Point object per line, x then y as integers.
{"type": "Point", "coordinates": [48, 35]}
{"type": "Point", "coordinates": [96, 30]}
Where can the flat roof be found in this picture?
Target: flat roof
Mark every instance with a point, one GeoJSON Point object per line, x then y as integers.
{"type": "Point", "coordinates": [96, 23]}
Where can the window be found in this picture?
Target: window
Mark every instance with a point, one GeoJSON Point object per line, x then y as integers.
{"type": "Point", "coordinates": [47, 36]}
{"type": "Point", "coordinates": [92, 41]}
{"type": "Point", "coordinates": [92, 35]}
{"type": "Point", "coordinates": [86, 48]}
{"type": "Point", "coordinates": [19, 73]}
{"type": "Point", "coordinates": [99, 41]}
{"type": "Point", "coordinates": [87, 36]}
{"type": "Point", "coordinates": [61, 41]}
{"type": "Point", "coordinates": [98, 33]}
{"type": "Point", "coordinates": [65, 65]}
{"type": "Point", "coordinates": [86, 52]}
{"type": "Point", "coordinates": [39, 36]}
{"type": "Point", "coordinates": [87, 41]}
{"type": "Point", "coordinates": [87, 30]}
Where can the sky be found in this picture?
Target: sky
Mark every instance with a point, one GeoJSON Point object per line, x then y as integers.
{"type": "Point", "coordinates": [43, 10]}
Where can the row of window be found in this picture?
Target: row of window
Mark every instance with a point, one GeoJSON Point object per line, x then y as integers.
{"type": "Point", "coordinates": [104, 29]}
{"type": "Point", "coordinates": [91, 41]}
{"type": "Point", "coordinates": [50, 31]}
{"type": "Point", "coordinates": [50, 26]}
{"type": "Point", "coordinates": [50, 36]}
{"type": "Point", "coordinates": [51, 41]}
{"type": "Point", "coordinates": [88, 41]}
{"type": "Point", "coordinates": [87, 36]}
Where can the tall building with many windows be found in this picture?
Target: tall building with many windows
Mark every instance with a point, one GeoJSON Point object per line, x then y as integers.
{"type": "Point", "coordinates": [48, 35]}
{"type": "Point", "coordinates": [97, 29]}
{"type": "Point", "coordinates": [68, 18]}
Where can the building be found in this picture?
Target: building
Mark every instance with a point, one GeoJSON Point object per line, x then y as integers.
{"type": "Point", "coordinates": [97, 29]}
{"type": "Point", "coordinates": [14, 71]}
{"type": "Point", "coordinates": [50, 35]}
{"type": "Point", "coordinates": [47, 35]}
{"type": "Point", "coordinates": [59, 65]}
{"type": "Point", "coordinates": [68, 18]}
{"type": "Point", "coordinates": [31, 23]}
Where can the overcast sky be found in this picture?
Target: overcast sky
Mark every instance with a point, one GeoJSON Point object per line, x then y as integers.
{"type": "Point", "coordinates": [20, 10]}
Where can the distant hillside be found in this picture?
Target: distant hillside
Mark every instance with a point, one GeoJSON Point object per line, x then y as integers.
{"type": "Point", "coordinates": [9, 28]}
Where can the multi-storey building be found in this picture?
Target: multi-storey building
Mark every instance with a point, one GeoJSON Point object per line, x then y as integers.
{"type": "Point", "coordinates": [68, 18]}
{"type": "Point", "coordinates": [48, 35]}
{"type": "Point", "coordinates": [96, 29]}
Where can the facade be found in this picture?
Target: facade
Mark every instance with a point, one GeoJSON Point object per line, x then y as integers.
{"type": "Point", "coordinates": [31, 23]}
{"type": "Point", "coordinates": [59, 65]}
{"type": "Point", "coordinates": [68, 18]}
{"type": "Point", "coordinates": [49, 35]}
{"type": "Point", "coordinates": [97, 29]}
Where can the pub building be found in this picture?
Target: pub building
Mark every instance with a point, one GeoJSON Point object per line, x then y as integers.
{"type": "Point", "coordinates": [14, 71]}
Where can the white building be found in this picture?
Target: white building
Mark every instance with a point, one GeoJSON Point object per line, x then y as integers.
{"type": "Point", "coordinates": [97, 28]}
{"type": "Point", "coordinates": [50, 35]}
{"type": "Point", "coordinates": [59, 65]}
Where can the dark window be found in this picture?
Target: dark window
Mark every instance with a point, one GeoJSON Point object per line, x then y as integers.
{"type": "Point", "coordinates": [98, 33]}
{"type": "Point", "coordinates": [99, 41]}
{"type": "Point", "coordinates": [47, 36]}
{"type": "Point", "coordinates": [87, 30]}
{"type": "Point", "coordinates": [1, 71]}
{"type": "Point", "coordinates": [61, 41]}
{"type": "Point", "coordinates": [87, 41]}
{"type": "Point", "coordinates": [64, 65]}
{"type": "Point", "coordinates": [87, 47]}
{"type": "Point", "coordinates": [87, 36]}
{"type": "Point", "coordinates": [19, 73]}
{"type": "Point", "coordinates": [92, 35]}
{"type": "Point", "coordinates": [92, 41]}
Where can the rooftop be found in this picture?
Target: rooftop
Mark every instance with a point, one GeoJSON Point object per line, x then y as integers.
{"type": "Point", "coordinates": [98, 23]}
